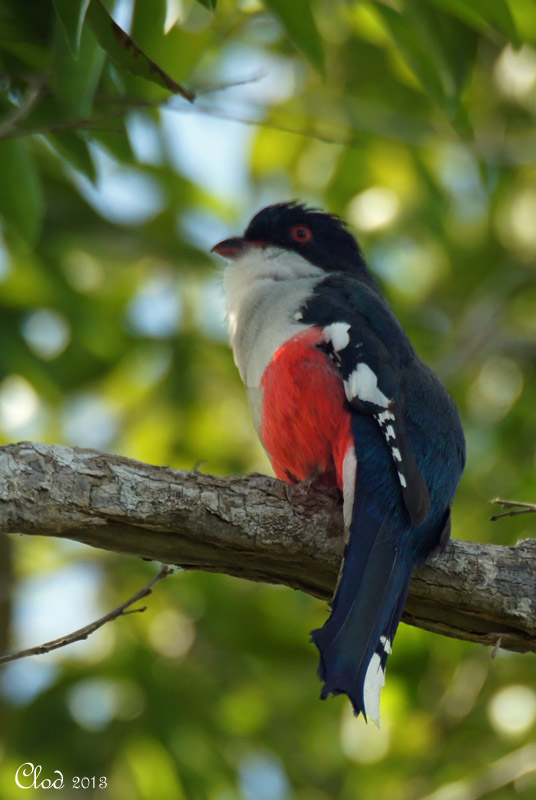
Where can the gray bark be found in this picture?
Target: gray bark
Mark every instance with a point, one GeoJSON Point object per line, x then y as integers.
{"type": "Point", "coordinates": [254, 527]}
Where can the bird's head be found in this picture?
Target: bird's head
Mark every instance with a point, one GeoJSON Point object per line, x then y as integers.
{"type": "Point", "coordinates": [322, 239]}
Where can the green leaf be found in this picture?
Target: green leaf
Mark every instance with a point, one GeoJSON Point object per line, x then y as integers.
{"type": "Point", "coordinates": [71, 14]}
{"type": "Point", "coordinates": [497, 13]}
{"type": "Point", "coordinates": [115, 140]}
{"type": "Point", "coordinates": [431, 63]}
{"type": "Point", "coordinates": [298, 21]}
{"type": "Point", "coordinates": [210, 4]}
{"type": "Point", "coordinates": [74, 81]}
{"type": "Point", "coordinates": [124, 51]}
{"type": "Point", "coordinates": [478, 13]}
{"type": "Point", "coordinates": [71, 146]}
{"type": "Point", "coordinates": [410, 47]}
{"type": "Point", "coordinates": [451, 47]}
{"type": "Point", "coordinates": [449, 43]}
{"type": "Point", "coordinates": [21, 200]}
{"type": "Point", "coordinates": [147, 27]}
{"type": "Point", "coordinates": [179, 51]}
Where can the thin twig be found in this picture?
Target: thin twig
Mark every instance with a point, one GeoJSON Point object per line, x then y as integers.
{"type": "Point", "coordinates": [348, 140]}
{"type": "Point", "coordinates": [516, 507]}
{"type": "Point", "coordinates": [9, 123]}
{"type": "Point", "coordinates": [87, 630]}
{"type": "Point", "coordinates": [221, 87]}
{"type": "Point", "coordinates": [92, 123]}
{"type": "Point", "coordinates": [67, 125]}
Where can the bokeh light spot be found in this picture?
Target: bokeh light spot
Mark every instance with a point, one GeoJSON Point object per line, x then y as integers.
{"type": "Point", "coordinates": [123, 195]}
{"type": "Point", "coordinates": [512, 710]}
{"type": "Point", "coordinates": [515, 71]}
{"type": "Point", "coordinates": [515, 220]}
{"type": "Point", "coordinates": [88, 421]}
{"type": "Point", "coordinates": [47, 332]}
{"type": "Point", "coordinates": [19, 403]}
{"type": "Point", "coordinates": [361, 742]}
{"type": "Point", "coordinates": [155, 310]}
{"type": "Point", "coordinates": [84, 273]}
{"type": "Point", "coordinates": [498, 386]}
{"type": "Point", "coordinates": [262, 777]}
{"type": "Point", "coordinates": [171, 633]}
{"type": "Point", "coordinates": [373, 209]}
{"type": "Point", "coordinates": [94, 703]}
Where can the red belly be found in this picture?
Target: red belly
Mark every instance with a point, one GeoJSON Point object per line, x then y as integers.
{"type": "Point", "coordinates": [306, 421]}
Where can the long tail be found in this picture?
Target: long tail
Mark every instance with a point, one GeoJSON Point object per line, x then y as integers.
{"type": "Point", "coordinates": [356, 639]}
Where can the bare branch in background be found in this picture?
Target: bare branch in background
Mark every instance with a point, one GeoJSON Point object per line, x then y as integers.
{"type": "Point", "coordinates": [87, 630]}
{"type": "Point", "coordinates": [515, 508]}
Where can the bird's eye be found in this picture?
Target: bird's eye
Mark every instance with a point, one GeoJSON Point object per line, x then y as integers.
{"type": "Point", "coordinates": [301, 233]}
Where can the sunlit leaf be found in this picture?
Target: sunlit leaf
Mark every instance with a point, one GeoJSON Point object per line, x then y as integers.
{"type": "Point", "coordinates": [21, 200]}
{"type": "Point", "coordinates": [71, 14]}
{"type": "Point", "coordinates": [125, 52]}
{"type": "Point", "coordinates": [147, 26]}
{"type": "Point", "coordinates": [298, 21]}
{"type": "Point", "coordinates": [179, 50]}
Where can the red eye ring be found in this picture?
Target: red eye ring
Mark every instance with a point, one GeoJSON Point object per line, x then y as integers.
{"type": "Point", "coordinates": [301, 233]}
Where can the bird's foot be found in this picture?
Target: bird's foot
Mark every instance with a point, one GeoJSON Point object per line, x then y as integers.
{"type": "Point", "coordinates": [310, 483]}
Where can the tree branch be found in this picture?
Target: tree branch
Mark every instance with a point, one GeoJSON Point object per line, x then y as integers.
{"type": "Point", "coordinates": [254, 527]}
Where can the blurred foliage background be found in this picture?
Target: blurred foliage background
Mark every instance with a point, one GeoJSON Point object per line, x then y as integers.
{"type": "Point", "coordinates": [416, 122]}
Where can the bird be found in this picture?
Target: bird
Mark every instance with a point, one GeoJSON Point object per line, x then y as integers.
{"type": "Point", "coordinates": [339, 396]}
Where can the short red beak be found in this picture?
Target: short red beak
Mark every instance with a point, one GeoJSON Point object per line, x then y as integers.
{"type": "Point", "coordinates": [235, 247]}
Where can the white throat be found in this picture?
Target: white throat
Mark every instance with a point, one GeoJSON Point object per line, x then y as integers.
{"type": "Point", "coordinates": [254, 271]}
{"type": "Point", "coordinates": [265, 288]}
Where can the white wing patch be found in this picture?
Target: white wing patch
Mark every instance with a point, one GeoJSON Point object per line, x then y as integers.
{"type": "Point", "coordinates": [384, 420]}
{"type": "Point", "coordinates": [338, 334]}
{"type": "Point", "coordinates": [384, 417]}
{"type": "Point", "coordinates": [349, 468]}
{"type": "Point", "coordinates": [386, 644]}
{"type": "Point", "coordinates": [363, 384]}
{"type": "Point", "coordinates": [374, 683]}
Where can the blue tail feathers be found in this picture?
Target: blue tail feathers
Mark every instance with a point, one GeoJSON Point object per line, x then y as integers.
{"type": "Point", "coordinates": [356, 639]}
